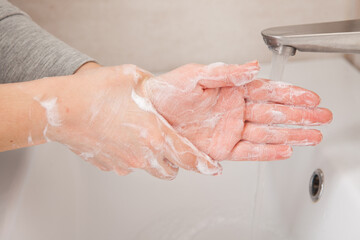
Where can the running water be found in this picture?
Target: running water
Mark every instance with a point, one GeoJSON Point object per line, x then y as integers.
{"type": "Point", "coordinates": [277, 69]}
{"type": "Point", "coordinates": [277, 65]}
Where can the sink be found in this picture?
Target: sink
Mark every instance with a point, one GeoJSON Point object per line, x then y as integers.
{"type": "Point", "coordinates": [55, 195]}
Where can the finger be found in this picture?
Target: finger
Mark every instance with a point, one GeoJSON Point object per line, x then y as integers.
{"type": "Point", "coordinates": [96, 160]}
{"type": "Point", "coordinates": [122, 171]}
{"type": "Point", "coordinates": [105, 162]}
{"type": "Point", "coordinates": [157, 166]}
{"type": "Point", "coordinates": [256, 133]}
{"type": "Point", "coordinates": [280, 92]}
{"type": "Point", "coordinates": [181, 152]}
{"type": "Point", "coordinates": [280, 114]}
{"type": "Point", "coordinates": [101, 163]}
{"type": "Point", "coordinates": [246, 151]}
{"type": "Point", "coordinates": [160, 173]}
{"type": "Point", "coordinates": [143, 157]}
{"type": "Point", "coordinates": [227, 75]}
{"type": "Point", "coordinates": [161, 168]}
{"type": "Point", "coordinates": [121, 162]}
{"type": "Point", "coordinates": [121, 167]}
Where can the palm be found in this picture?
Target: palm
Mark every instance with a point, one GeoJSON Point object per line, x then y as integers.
{"type": "Point", "coordinates": [215, 108]}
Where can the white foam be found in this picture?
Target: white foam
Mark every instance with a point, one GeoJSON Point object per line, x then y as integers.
{"type": "Point", "coordinates": [131, 70]}
{"type": "Point", "coordinates": [44, 133]}
{"type": "Point", "coordinates": [278, 116]}
{"type": "Point", "coordinates": [153, 161]}
{"type": "Point", "coordinates": [30, 140]}
{"type": "Point", "coordinates": [142, 103]}
{"type": "Point", "coordinates": [87, 155]}
{"type": "Point", "coordinates": [204, 169]}
{"type": "Point", "coordinates": [51, 108]}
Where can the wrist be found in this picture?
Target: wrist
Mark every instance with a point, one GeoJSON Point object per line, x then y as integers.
{"type": "Point", "coordinates": [46, 113]}
{"type": "Point", "coordinates": [24, 118]}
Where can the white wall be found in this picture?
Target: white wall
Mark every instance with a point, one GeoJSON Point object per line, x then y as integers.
{"type": "Point", "coordinates": [162, 34]}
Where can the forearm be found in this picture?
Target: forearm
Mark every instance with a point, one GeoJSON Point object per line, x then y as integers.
{"type": "Point", "coordinates": [23, 120]}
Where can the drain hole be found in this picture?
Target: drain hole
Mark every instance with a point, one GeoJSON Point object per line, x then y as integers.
{"type": "Point", "coordinates": [316, 185]}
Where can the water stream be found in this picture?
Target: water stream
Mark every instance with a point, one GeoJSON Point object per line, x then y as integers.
{"type": "Point", "coordinates": [278, 62]}
{"type": "Point", "coordinates": [277, 69]}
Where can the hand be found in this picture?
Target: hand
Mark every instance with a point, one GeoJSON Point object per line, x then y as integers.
{"type": "Point", "coordinates": [230, 116]}
{"type": "Point", "coordinates": [101, 115]}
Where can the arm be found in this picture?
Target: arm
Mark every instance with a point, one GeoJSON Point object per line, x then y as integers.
{"type": "Point", "coordinates": [105, 116]}
{"type": "Point", "coordinates": [28, 52]}
{"type": "Point", "coordinates": [62, 108]}
{"type": "Point", "coordinates": [22, 120]}
{"type": "Point", "coordinates": [18, 105]}
{"type": "Point", "coordinates": [100, 114]}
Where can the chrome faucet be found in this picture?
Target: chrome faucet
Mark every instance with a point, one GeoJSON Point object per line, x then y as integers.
{"type": "Point", "coordinates": [340, 37]}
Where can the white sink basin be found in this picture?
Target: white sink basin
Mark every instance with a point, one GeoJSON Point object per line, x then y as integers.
{"type": "Point", "coordinates": [65, 198]}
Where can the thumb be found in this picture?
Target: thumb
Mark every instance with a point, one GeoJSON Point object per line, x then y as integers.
{"type": "Point", "coordinates": [180, 151]}
{"type": "Point", "coordinates": [220, 74]}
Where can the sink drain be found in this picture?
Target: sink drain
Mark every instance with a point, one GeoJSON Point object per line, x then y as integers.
{"type": "Point", "coordinates": [316, 185]}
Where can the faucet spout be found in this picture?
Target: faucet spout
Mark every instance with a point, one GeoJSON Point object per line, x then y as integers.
{"type": "Point", "coordinates": [340, 37]}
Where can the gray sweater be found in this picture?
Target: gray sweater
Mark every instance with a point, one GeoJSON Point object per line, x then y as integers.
{"type": "Point", "coordinates": [28, 52]}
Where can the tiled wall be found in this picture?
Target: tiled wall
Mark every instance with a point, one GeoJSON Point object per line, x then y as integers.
{"type": "Point", "coordinates": [162, 34]}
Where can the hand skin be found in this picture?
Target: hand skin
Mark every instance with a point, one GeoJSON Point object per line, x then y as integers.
{"type": "Point", "coordinates": [220, 108]}
{"type": "Point", "coordinates": [100, 115]}
{"type": "Point", "coordinates": [230, 115]}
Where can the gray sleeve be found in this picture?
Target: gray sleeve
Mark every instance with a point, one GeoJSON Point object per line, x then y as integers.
{"type": "Point", "coordinates": [28, 52]}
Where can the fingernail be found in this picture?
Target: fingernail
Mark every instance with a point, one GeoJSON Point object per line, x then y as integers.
{"type": "Point", "coordinates": [219, 172]}
{"type": "Point", "coordinates": [325, 115]}
{"type": "Point", "coordinates": [208, 167]}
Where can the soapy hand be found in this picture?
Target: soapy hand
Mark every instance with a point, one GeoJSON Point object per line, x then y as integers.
{"type": "Point", "coordinates": [124, 118]}
{"type": "Point", "coordinates": [103, 116]}
{"type": "Point", "coordinates": [230, 115]}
